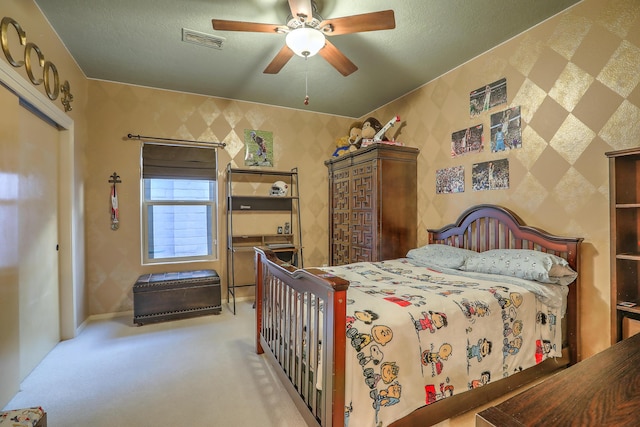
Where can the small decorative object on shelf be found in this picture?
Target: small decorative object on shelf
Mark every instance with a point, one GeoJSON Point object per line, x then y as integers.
{"type": "Point", "coordinates": [279, 189]}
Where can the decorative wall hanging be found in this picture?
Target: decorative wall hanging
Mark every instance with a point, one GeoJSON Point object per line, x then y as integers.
{"type": "Point", "coordinates": [258, 148]}
{"type": "Point", "coordinates": [47, 72]}
{"type": "Point", "coordinates": [450, 180]}
{"type": "Point", "coordinates": [493, 175]}
{"type": "Point", "coordinates": [506, 132]}
{"type": "Point", "coordinates": [115, 214]}
{"type": "Point", "coordinates": [466, 141]}
{"type": "Point", "coordinates": [487, 97]}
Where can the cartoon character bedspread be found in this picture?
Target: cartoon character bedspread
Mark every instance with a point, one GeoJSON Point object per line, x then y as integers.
{"type": "Point", "coordinates": [416, 336]}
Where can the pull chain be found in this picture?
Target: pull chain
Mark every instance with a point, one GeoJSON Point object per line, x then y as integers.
{"type": "Point", "coordinates": [306, 84]}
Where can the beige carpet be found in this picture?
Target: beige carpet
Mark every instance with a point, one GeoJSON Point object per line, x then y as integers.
{"type": "Point", "coordinates": [199, 372]}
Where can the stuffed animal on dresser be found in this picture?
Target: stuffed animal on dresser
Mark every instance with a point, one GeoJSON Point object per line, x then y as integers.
{"type": "Point", "coordinates": [342, 146]}
{"type": "Point", "coordinates": [371, 127]}
{"type": "Point", "coordinates": [355, 136]}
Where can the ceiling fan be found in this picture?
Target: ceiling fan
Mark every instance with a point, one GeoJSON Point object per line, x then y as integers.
{"type": "Point", "coordinates": [306, 31]}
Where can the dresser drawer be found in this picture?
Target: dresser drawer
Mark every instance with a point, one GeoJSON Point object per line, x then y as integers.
{"type": "Point", "coordinates": [630, 327]}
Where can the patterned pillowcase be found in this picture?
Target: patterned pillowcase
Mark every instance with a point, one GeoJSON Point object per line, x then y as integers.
{"type": "Point", "coordinates": [442, 255]}
{"type": "Point", "coordinates": [524, 264]}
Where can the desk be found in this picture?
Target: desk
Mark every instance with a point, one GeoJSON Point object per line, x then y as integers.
{"type": "Point", "coordinates": [603, 390]}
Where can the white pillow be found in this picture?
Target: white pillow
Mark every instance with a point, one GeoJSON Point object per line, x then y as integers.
{"type": "Point", "coordinates": [442, 255]}
{"type": "Point", "coordinates": [523, 263]}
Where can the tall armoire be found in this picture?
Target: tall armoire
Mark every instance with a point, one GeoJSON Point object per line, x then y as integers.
{"type": "Point", "coordinates": [372, 204]}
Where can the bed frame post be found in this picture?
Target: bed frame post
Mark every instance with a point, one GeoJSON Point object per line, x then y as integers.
{"type": "Point", "coordinates": [258, 306]}
{"type": "Point", "coordinates": [339, 341]}
{"type": "Point", "coordinates": [573, 299]}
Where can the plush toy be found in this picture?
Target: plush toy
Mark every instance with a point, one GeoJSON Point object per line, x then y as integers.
{"type": "Point", "coordinates": [355, 135]}
{"type": "Point", "coordinates": [342, 146]}
{"type": "Point", "coordinates": [370, 128]}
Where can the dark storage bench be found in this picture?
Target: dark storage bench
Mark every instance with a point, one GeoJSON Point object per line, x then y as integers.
{"type": "Point", "coordinates": [168, 296]}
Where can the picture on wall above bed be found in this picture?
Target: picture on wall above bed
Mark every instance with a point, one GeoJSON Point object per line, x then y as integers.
{"type": "Point", "coordinates": [258, 148]}
{"type": "Point", "coordinates": [506, 132]}
{"type": "Point", "coordinates": [493, 175]}
{"type": "Point", "coordinates": [450, 180]}
{"type": "Point", "coordinates": [470, 140]}
{"type": "Point", "coordinates": [487, 97]}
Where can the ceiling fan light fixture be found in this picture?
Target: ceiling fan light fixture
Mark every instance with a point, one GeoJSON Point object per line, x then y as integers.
{"type": "Point", "coordinates": [305, 41]}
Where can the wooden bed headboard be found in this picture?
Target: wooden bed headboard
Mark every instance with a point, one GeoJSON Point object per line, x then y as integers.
{"type": "Point", "coordinates": [485, 227]}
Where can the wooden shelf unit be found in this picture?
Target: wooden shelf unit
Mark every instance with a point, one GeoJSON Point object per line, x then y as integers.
{"type": "Point", "coordinates": [247, 193]}
{"type": "Point", "coordinates": [624, 193]}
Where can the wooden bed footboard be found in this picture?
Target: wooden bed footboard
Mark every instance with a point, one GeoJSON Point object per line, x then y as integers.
{"type": "Point", "coordinates": [301, 320]}
{"type": "Point", "coordinates": [301, 323]}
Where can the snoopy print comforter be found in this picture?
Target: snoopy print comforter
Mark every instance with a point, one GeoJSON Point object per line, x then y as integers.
{"type": "Point", "coordinates": [416, 335]}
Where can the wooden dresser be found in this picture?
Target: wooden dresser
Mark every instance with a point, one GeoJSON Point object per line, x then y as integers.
{"type": "Point", "coordinates": [603, 390]}
{"type": "Point", "coordinates": [372, 204]}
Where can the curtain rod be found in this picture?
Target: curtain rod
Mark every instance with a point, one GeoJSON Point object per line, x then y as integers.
{"type": "Point", "coordinates": [154, 138]}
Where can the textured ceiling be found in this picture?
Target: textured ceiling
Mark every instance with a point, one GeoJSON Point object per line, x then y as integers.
{"type": "Point", "coordinates": [140, 42]}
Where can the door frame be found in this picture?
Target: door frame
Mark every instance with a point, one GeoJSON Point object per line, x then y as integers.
{"type": "Point", "coordinates": [70, 227]}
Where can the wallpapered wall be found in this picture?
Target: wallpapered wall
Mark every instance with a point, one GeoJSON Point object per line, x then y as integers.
{"type": "Point", "coordinates": [300, 139]}
{"type": "Point", "coordinates": [576, 78]}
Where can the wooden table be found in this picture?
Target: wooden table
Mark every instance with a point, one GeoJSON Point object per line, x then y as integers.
{"type": "Point", "coordinates": [603, 390]}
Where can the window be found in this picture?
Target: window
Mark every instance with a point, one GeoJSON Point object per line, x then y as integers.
{"type": "Point", "coordinates": [179, 204]}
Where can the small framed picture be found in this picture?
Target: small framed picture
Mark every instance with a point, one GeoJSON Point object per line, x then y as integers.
{"type": "Point", "coordinates": [280, 230]}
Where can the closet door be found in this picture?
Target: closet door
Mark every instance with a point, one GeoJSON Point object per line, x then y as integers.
{"type": "Point", "coordinates": [38, 239]}
{"type": "Point", "coordinates": [9, 279]}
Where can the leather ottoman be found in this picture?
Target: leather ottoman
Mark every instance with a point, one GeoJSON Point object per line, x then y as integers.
{"type": "Point", "coordinates": [160, 297]}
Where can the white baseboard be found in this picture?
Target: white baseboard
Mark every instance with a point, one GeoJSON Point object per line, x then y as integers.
{"type": "Point", "coordinates": [129, 313]}
{"type": "Point", "coordinates": [107, 316]}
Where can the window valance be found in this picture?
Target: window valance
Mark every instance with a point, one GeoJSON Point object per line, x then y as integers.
{"type": "Point", "coordinates": [174, 162]}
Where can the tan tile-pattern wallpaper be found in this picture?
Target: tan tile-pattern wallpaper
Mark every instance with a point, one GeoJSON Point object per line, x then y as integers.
{"type": "Point", "coordinates": [576, 78]}
{"type": "Point", "coordinates": [301, 140]}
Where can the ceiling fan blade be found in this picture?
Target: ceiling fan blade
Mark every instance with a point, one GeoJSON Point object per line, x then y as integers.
{"type": "Point", "coordinates": [222, 25]}
{"type": "Point", "coordinates": [279, 61]}
{"type": "Point", "coordinates": [301, 7]}
{"type": "Point", "coordinates": [383, 20]}
{"type": "Point", "coordinates": [337, 59]}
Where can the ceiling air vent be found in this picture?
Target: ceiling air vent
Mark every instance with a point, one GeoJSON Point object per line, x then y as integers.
{"type": "Point", "coordinates": [202, 39]}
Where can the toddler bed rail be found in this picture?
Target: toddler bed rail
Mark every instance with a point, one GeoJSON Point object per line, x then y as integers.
{"type": "Point", "coordinates": [300, 321]}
